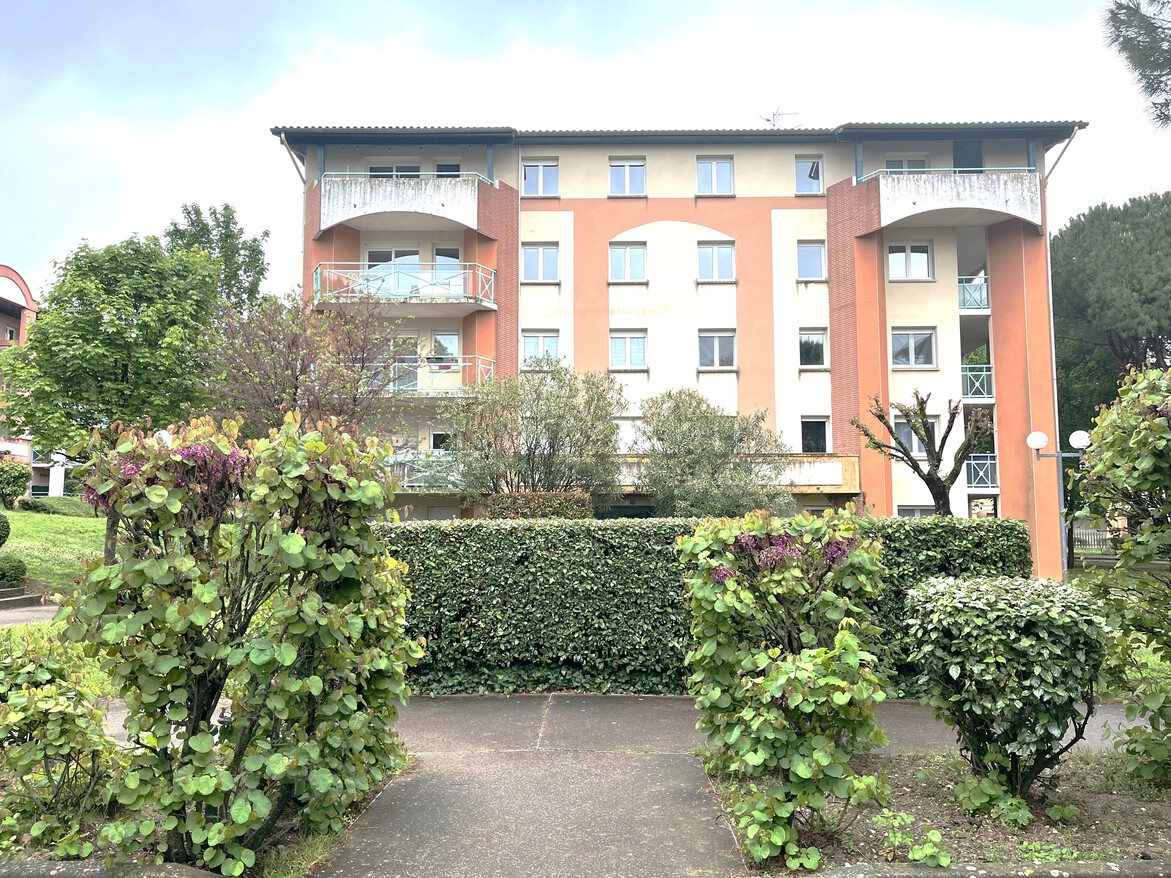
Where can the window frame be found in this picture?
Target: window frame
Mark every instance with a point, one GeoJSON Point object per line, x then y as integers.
{"type": "Point", "coordinates": [626, 246]}
{"type": "Point", "coordinates": [627, 162]}
{"type": "Point", "coordinates": [715, 364]}
{"type": "Point", "coordinates": [821, 248]}
{"type": "Point", "coordinates": [914, 511]}
{"type": "Point", "coordinates": [913, 331]}
{"type": "Point", "coordinates": [902, 159]}
{"type": "Point", "coordinates": [823, 331]}
{"type": "Point", "coordinates": [394, 169]}
{"type": "Point", "coordinates": [819, 160]}
{"type": "Point", "coordinates": [542, 162]}
{"type": "Point", "coordinates": [627, 365]}
{"type": "Point", "coordinates": [816, 419]}
{"type": "Point", "coordinates": [906, 248]}
{"type": "Point", "coordinates": [917, 447]}
{"type": "Point", "coordinates": [714, 246]}
{"type": "Point", "coordinates": [542, 336]}
{"type": "Point", "coordinates": [448, 175]}
{"type": "Point", "coordinates": [713, 174]}
{"type": "Point", "coordinates": [542, 248]}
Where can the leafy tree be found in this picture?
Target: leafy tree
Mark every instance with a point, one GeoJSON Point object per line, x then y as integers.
{"type": "Point", "coordinates": [1141, 32]}
{"type": "Point", "coordinates": [122, 335]}
{"type": "Point", "coordinates": [241, 261]}
{"type": "Point", "coordinates": [928, 466]}
{"type": "Point", "coordinates": [547, 429]}
{"type": "Point", "coordinates": [14, 479]}
{"type": "Point", "coordinates": [1112, 282]}
{"type": "Point", "coordinates": [701, 461]}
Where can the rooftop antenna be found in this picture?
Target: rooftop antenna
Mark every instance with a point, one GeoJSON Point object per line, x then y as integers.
{"type": "Point", "coordinates": [772, 118]}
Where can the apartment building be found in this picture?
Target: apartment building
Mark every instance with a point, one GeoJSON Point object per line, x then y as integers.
{"type": "Point", "coordinates": [800, 271]}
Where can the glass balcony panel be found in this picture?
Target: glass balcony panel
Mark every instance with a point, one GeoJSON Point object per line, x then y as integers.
{"type": "Point", "coordinates": [405, 279]}
{"type": "Point", "coordinates": [973, 293]}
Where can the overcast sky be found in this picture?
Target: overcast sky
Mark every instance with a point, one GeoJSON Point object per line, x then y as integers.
{"type": "Point", "coordinates": [112, 115]}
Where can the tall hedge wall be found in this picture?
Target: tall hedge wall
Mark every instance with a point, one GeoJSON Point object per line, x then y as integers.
{"type": "Point", "coordinates": [599, 605]}
{"type": "Point", "coordinates": [545, 604]}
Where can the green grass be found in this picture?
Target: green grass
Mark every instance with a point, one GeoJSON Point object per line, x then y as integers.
{"type": "Point", "coordinates": [52, 545]}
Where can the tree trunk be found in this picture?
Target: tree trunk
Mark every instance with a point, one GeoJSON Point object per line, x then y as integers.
{"type": "Point", "coordinates": [940, 495]}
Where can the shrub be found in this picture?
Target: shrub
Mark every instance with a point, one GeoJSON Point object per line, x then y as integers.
{"type": "Point", "coordinates": [1011, 663]}
{"type": "Point", "coordinates": [916, 549]}
{"type": "Point", "coordinates": [74, 507]}
{"type": "Point", "coordinates": [38, 653]}
{"type": "Point", "coordinates": [539, 504]}
{"type": "Point", "coordinates": [550, 604]}
{"type": "Point", "coordinates": [5, 529]}
{"type": "Point", "coordinates": [14, 479]}
{"type": "Point", "coordinates": [253, 571]}
{"type": "Point", "coordinates": [12, 569]}
{"type": "Point", "coordinates": [783, 681]}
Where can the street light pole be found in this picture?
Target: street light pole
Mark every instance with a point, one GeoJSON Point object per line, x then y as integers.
{"type": "Point", "coordinates": [1080, 440]}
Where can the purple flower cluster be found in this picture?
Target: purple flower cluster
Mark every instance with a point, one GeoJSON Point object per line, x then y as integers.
{"type": "Point", "coordinates": [131, 468]}
{"type": "Point", "coordinates": [722, 574]}
{"type": "Point", "coordinates": [750, 543]}
{"type": "Point", "coordinates": [835, 551]}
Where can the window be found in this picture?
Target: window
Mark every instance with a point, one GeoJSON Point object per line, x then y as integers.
{"type": "Point", "coordinates": [814, 436]}
{"type": "Point", "coordinates": [10, 333]}
{"type": "Point", "coordinates": [628, 176]}
{"type": "Point", "coordinates": [907, 436]}
{"type": "Point", "coordinates": [540, 263]}
{"type": "Point", "coordinates": [446, 169]}
{"type": "Point", "coordinates": [912, 347]}
{"type": "Point", "coordinates": [808, 175]}
{"type": "Point", "coordinates": [538, 344]}
{"type": "Point", "coordinates": [906, 166]}
{"type": "Point", "coordinates": [713, 176]}
{"type": "Point", "coordinates": [444, 348]}
{"type": "Point", "coordinates": [909, 261]}
{"type": "Point", "coordinates": [915, 511]}
{"type": "Point", "coordinates": [628, 350]}
{"type": "Point", "coordinates": [394, 170]}
{"type": "Point", "coordinates": [812, 343]}
{"type": "Point", "coordinates": [811, 260]}
{"type": "Point", "coordinates": [717, 349]}
{"type": "Point", "coordinates": [540, 177]}
{"type": "Point", "coordinates": [439, 441]}
{"type": "Point", "coordinates": [716, 262]}
{"type": "Point", "coordinates": [628, 262]}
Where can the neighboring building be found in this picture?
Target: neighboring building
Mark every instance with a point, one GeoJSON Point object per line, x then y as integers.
{"type": "Point", "coordinates": [803, 271]}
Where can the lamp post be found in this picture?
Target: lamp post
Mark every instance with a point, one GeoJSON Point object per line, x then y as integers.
{"type": "Point", "coordinates": [1080, 440]}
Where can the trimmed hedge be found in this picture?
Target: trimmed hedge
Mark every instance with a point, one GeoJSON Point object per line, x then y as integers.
{"type": "Point", "coordinates": [599, 604]}
{"type": "Point", "coordinates": [12, 569]}
{"type": "Point", "coordinates": [553, 604]}
{"type": "Point", "coordinates": [74, 507]}
{"type": "Point", "coordinates": [539, 504]}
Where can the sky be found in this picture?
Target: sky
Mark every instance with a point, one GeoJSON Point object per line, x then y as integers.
{"type": "Point", "coordinates": [114, 115]}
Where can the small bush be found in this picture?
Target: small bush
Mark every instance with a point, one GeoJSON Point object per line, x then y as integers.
{"type": "Point", "coordinates": [14, 479]}
{"type": "Point", "coordinates": [37, 653]}
{"type": "Point", "coordinates": [74, 507]}
{"type": "Point", "coordinates": [12, 569]}
{"type": "Point", "coordinates": [5, 529]}
{"type": "Point", "coordinates": [539, 504]}
{"type": "Point", "coordinates": [1011, 663]}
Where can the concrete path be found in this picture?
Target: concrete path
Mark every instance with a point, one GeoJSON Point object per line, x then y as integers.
{"type": "Point", "coordinates": [35, 613]}
{"type": "Point", "coordinates": [544, 786]}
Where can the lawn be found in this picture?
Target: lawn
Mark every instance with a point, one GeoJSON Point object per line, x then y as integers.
{"type": "Point", "coordinates": [53, 545]}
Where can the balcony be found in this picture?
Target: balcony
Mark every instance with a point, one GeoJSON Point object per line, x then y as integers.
{"type": "Point", "coordinates": [974, 293]}
{"type": "Point", "coordinates": [448, 289]}
{"type": "Point", "coordinates": [358, 199]}
{"type": "Point", "coordinates": [982, 471]}
{"type": "Point", "coordinates": [958, 196]}
{"type": "Point", "coordinates": [436, 376]}
{"type": "Point", "coordinates": [978, 382]}
{"type": "Point", "coordinates": [801, 473]}
{"type": "Point", "coordinates": [426, 472]}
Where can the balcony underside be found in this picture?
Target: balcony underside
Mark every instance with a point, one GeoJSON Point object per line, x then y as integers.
{"type": "Point", "coordinates": [400, 221]}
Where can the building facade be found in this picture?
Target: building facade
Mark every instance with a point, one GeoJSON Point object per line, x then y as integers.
{"type": "Point", "coordinates": [802, 271]}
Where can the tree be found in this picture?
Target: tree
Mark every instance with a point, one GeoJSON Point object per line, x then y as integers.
{"type": "Point", "coordinates": [14, 479]}
{"type": "Point", "coordinates": [1112, 281]}
{"type": "Point", "coordinates": [929, 465]}
{"type": "Point", "coordinates": [241, 261]}
{"type": "Point", "coordinates": [1140, 30]}
{"type": "Point", "coordinates": [281, 356]}
{"type": "Point", "coordinates": [547, 429]}
{"type": "Point", "coordinates": [701, 461]}
{"type": "Point", "coordinates": [122, 335]}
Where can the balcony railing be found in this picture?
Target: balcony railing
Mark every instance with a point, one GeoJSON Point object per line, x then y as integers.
{"type": "Point", "coordinates": [973, 293]}
{"type": "Point", "coordinates": [803, 473]}
{"type": "Point", "coordinates": [404, 175]}
{"type": "Point", "coordinates": [902, 172]}
{"type": "Point", "coordinates": [346, 196]}
{"type": "Point", "coordinates": [436, 472]}
{"type": "Point", "coordinates": [429, 376]}
{"type": "Point", "coordinates": [442, 281]}
{"type": "Point", "coordinates": [978, 382]}
{"type": "Point", "coordinates": [982, 471]}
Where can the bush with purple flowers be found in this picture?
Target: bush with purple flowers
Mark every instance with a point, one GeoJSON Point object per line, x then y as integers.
{"type": "Point", "coordinates": [782, 669]}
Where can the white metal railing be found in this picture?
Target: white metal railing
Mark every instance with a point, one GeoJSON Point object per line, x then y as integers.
{"type": "Point", "coordinates": [454, 281]}
{"type": "Point", "coordinates": [982, 471]}
{"type": "Point", "coordinates": [973, 293]}
{"type": "Point", "coordinates": [406, 175]}
{"type": "Point", "coordinates": [905, 172]}
{"type": "Point", "coordinates": [978, 382]}
{"type": "Point", "coordinates": [434, 375]}
{"type": "Point", "coordinates": [435, 471]}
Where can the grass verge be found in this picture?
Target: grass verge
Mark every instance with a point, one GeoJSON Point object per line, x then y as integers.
{"type": "Point", "coordinates": [52, 546]}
